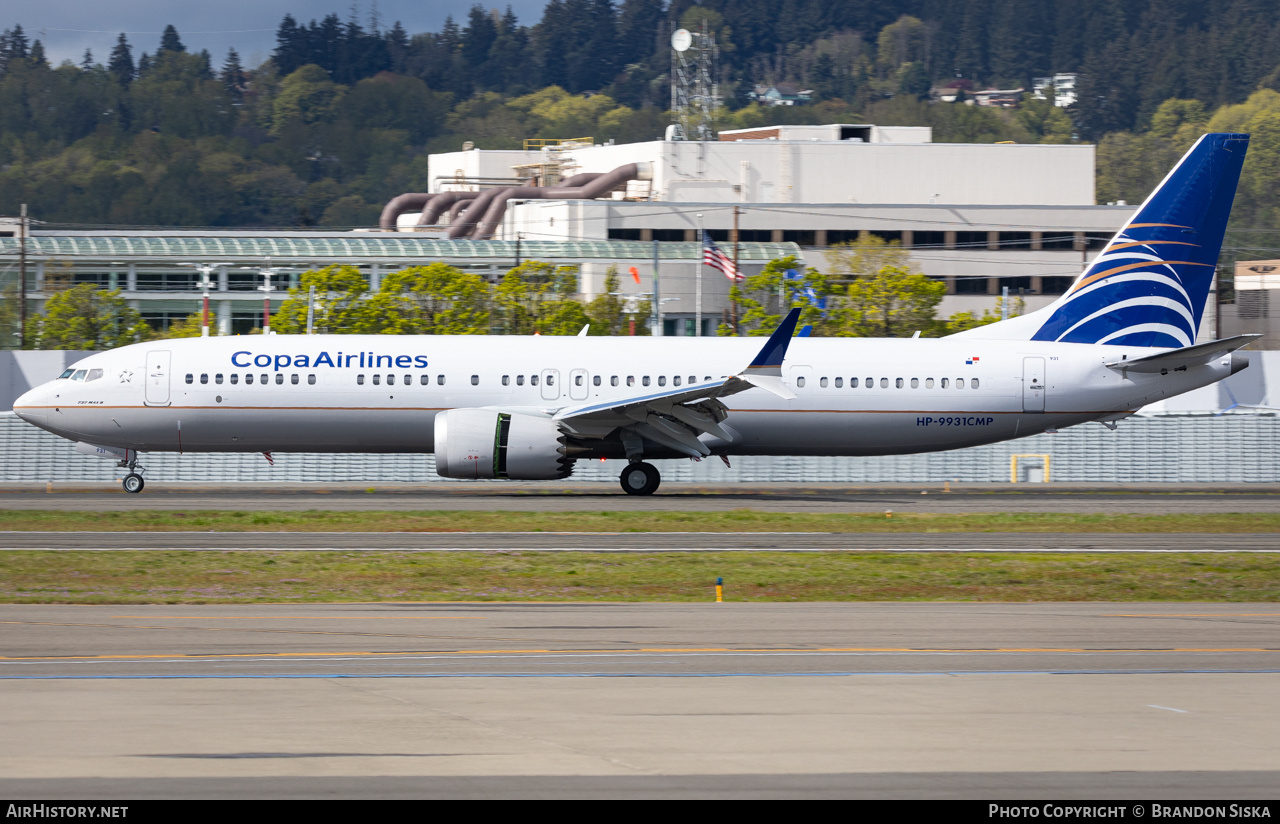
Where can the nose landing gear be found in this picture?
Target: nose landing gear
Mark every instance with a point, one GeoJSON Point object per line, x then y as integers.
{"type": "Point", "coordinates": [640, 479]}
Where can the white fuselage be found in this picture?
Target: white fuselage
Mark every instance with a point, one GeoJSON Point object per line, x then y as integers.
{"type": "Point", "coordinates": [379, 393]}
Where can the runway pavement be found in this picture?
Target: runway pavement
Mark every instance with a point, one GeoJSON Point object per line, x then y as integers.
{"type": "Point", "coordinates": [640, 700]}
{"type": "Point", "coordinates": [646, 541]}
{"type": "Point", "coordinates": [568, 497]}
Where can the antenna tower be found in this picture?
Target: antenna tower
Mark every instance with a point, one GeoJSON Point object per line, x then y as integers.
{"type": "Point", "coordinates": [695, 95]}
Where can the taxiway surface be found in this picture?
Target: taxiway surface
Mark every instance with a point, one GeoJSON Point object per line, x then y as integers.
{"type": "Point", "coordinates": [742, 700]}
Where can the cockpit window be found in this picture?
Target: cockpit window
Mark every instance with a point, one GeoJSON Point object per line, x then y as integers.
{"type": "Point", "coordinates": [79, 375]}
{"type": "Point", "coordinates": [67, 373]}
{"type": "Point", "coordinates": [93, 375]}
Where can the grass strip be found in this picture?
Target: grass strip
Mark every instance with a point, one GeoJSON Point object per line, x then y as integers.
{"type": "Point", "coordinates": [736, 520]}
{"type": "Point", "coordinates": [326, 577]}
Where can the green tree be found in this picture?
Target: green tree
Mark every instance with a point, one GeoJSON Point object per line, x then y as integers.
{"type": "Point", "coordinates": [608, 312]}
{"type": "Point", "coordinates": [532, 298]}
{"type": "Point", "coordinates": [308, 96]}
{"type": "Point", "coordinates": [765, 297]}
{"type": "Point", "coordinates": [340, 307]}
{"type": "Point", "coordinates": [961, 321]}
{"type": "Point", "coordinates": [1043, 121]}
{"type": "Point", "coordinates": [889, 297]}
{"type": "Point", "coordinates": [436, 299]}
{"type": "Point", "coordinates": [85, 317]}
{"type": "Point", "coordinates": [191, 326]}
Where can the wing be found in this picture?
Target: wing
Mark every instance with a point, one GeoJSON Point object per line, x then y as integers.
{"type": "Point", "coordinates": [677, 417]}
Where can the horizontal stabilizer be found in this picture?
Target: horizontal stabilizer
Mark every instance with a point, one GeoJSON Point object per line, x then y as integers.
{"type": "Point", "coordinates": [1197, 355]}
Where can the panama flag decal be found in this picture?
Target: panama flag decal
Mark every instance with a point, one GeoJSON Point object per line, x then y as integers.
{"type": "Point", "coordinates": [971, 361]}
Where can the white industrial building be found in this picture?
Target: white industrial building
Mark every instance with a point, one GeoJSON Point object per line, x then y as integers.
{"type": "Point", "coordinates": [981, 217]}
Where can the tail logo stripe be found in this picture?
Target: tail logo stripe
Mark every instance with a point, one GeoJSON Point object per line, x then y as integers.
{"type": "Point", "coordinates": [1159, 328]}
{"type": "Point", "coordinates": [1100, 275]}
{"type": "Point", "coordinates": [1124, 304]}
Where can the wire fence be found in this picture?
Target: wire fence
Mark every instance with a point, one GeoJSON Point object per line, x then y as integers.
{"type": "Point", "coordinates": [1232, 448]}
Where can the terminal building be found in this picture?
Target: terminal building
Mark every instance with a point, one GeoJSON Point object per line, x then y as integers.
{"type": "Point", "coordinates": [979, 217]}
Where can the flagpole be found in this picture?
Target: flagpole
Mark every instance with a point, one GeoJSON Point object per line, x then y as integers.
{"type": "Point", "coordinates": [733, 302]}
{"type": "Point", "coordinates": [697, 304]}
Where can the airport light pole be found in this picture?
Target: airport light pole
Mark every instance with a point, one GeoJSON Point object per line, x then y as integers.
{"type": "Point", "coordinates": [267, 272]}
{"type": "Point", "coordinates": [205, 271]}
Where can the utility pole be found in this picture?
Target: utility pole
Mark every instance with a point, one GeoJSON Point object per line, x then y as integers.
{"type": "Point", "coordinates": [22, 278]}
{"type": "Point", "coordinates": [733, 302]}
{"type": "Point", "coordinates": [697, 304]}
{"type": "Point", "coordinates": [311, 309]}
{"type": "Point", "coordinates": [657, 301]}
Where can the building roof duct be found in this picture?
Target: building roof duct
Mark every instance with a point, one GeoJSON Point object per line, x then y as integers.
{"type": "Point", "coordinates": [482, 219]}
{"type": "Point", "coordinates": [400, 205]}
{"type": "Point", "coordinates": [433, 208]}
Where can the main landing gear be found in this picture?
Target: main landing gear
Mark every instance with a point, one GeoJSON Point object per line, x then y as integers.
{"type": "Point", "coordinates": [640, 479]}
{"type": "Point", "coordinates": [133, 482]}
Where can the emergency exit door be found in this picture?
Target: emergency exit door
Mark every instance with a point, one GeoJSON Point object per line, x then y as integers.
{"type": "Point", "coordinates": [1033, 387]}
{"type": "Point", "coordinates": [157, 391]}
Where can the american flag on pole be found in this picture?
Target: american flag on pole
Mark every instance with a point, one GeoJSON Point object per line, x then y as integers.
{"type": "Point", "coordinates": [716, 259]}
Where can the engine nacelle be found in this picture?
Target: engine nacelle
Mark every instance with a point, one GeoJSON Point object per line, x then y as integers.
{"type": "Point", "coordinates": [482, 444]}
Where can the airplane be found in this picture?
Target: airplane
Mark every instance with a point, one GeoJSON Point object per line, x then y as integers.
{"type": "Point", "coordinates": [527, 408]}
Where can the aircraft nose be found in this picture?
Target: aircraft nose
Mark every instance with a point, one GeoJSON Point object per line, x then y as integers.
{"type": "Point", "coordinates": [30, 406]}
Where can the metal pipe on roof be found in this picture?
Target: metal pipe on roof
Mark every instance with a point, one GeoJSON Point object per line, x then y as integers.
{"type": "Point", "coordinates": [443, 200]}
{"type": "Point", "coordinates": [496, 205]}
{"type": "Point", "coordinates": [458, 208]}
{"type": "Point", "coordinates": [399, 205]}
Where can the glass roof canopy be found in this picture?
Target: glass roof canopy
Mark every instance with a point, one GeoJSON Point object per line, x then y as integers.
{"type": "Point", "coordinates": [322, 249]}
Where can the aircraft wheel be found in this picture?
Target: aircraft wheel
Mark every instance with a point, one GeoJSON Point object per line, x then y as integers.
{"type": "Point", "coordinates": [133, 482]}
{"type": "Point", "coordinates": [640, 479]}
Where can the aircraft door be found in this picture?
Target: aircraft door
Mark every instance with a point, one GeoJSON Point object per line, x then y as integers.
{"type": "Point", "coordinates": [157, 391]}
{"type": "Point", "coordinates": [551, 384]}
{"type": "Point", "coordinates": [579, 384]}
{"type": "Point", "coordinates": [1033, 385]}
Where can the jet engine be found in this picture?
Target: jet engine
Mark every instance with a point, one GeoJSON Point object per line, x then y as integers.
{"type": "Point", "coordinates": [484, 443]}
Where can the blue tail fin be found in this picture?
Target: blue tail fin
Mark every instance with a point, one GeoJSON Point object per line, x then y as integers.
{"type": "Point", "coordinates": [1149, 285]}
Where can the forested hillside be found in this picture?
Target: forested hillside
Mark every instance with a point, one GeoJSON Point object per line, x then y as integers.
{"type": "Point", "coordinates": [343, 114]}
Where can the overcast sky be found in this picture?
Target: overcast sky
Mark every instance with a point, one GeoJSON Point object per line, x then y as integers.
{"type": "Point", "coordinates": [68, 27]}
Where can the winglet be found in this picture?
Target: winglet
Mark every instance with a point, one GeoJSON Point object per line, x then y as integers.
{"type": "Point", "coordinates": [765, 370]}
{"type": "Point", "coordinates": [769, 361]}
